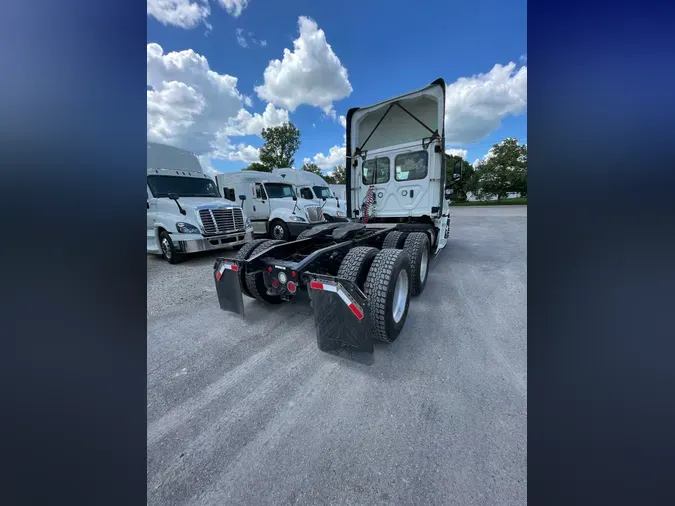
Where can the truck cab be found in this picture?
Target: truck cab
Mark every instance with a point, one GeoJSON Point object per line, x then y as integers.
{"type": "Point", "coordinates": [396, 162]}
{"type": "Point", "coordinates": [271, 202]}
{"type": "Point", "coordinates": [310, 186]}
{"type": "Point", "coordinates": [185, 211]}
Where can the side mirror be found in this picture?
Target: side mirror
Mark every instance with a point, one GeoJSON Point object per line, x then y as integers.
{"type": "Point", "coordinates": [457, 171]}
{"type": "Point", "coordinates": [323, 198]}
{"type": "Point", "coordinates": [172, 196]}
{"type": "Point", "coordinates": [242, 197]}
{"type": "Point", "coordinates": [295, 198]}
{"type": "Point", "coordinates": [449, 192]}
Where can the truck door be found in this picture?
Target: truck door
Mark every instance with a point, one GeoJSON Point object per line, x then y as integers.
{"type": "Point", "coordinates": [259, 211]}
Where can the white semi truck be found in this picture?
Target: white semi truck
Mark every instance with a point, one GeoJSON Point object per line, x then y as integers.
{"type": "Point", "coordinates": [311, 186]}
{"type": "Point", "coordinates": [271, 203]}
{"type": "Point", "coordinates": [360, 275]}
{"type": "Point", "coordinates": [186, 213]}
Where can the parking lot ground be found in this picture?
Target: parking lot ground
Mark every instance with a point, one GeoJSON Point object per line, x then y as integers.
{"type": "Point", "coordinates": [251, 412]}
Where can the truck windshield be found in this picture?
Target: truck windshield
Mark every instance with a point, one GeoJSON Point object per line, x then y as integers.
{"type": "Point", "coordinates": [322, 191]}
{"type": "Point", "coordinates": [161, 186]}
{"type": "Point", "coordinates": [279, 190]}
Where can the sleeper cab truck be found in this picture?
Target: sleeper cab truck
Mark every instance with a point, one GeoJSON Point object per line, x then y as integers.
{"type": "Point", "coordinates": [359, 276]}
{"type": "Point", "coordinates": [186, 213]}
{"type": "Point", "coordinates": [271, 203]}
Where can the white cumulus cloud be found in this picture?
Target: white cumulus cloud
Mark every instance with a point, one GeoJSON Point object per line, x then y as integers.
{"type": "Point", "coordinates": [475, 106]}
{"type": "Point", "coordinates": [181, 13]}
{"type": "Point", "coordinates": [246, 123]}
{"type": "Point", "coordinates": [457, 152]}
{"type": "Point", "coordinates": [311, 74]}
{"type": "Point", "coordinates": [234, 7]}
{"type": "Point", "coordinates": [241, 40]}
{"type": "Point", "coordinates": [188, 102]}
{"type": "Point", "coordinates": [343, 121]}
{"type": "Point", "coordinates": [193, 107]}
{"type": "Point", "coordinates": [241, 152]}
{"type": "Point", "coordinates": [336, 156]}
{"type": "Point", "coordinates": [190, 13]}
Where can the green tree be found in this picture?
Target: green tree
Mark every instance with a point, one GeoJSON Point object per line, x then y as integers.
{"type": "Point", "coordinates": [504, 171]}
{"type": "Point", "coordinates": [339, 175]}
{"type": "Point", "coordinates": [259, 167]}
{"type": "Point", "coordinates": [281, 144]}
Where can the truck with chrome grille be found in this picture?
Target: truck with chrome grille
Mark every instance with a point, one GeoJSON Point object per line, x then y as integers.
{"type": "Point", "coordinates": [186, 213]}
{"type": "Point", "coordinates": [271, 203]}
{"type": "Point", "coordinates": [358, 276]}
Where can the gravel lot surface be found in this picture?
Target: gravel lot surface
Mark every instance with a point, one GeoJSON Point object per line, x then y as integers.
{"type": "Point", "coordinates": [251, 412]}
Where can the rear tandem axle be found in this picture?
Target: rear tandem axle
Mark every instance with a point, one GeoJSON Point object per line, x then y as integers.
{"type": "Point", "coordinates": [359, 280]}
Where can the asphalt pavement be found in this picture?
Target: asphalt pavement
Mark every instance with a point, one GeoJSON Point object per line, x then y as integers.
{"type": "Point", "coordinates": [251, 412]}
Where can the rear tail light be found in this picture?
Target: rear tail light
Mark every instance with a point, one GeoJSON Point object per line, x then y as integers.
{"type": "Point", "coordinates": [275, 283]}
{"type": "Point", "coordinates": [292, 287]}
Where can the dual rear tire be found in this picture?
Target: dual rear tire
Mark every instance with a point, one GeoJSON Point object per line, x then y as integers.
{"type": "Point", "coordinates": [384, 277]}
{"type": "Point", "coordinates": [253, 284]}
{"type": "Point", "coordinates": [418, 247]}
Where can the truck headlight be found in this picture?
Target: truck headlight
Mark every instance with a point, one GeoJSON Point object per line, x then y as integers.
{"type": "Point", "coordinates": [340, 214]}
{"type": "Point", "coordinates": [294, 217]}
{"type": "Point", "coordinates": [186, 228]}
{"type": "Point", "coordinates": [248, 223]}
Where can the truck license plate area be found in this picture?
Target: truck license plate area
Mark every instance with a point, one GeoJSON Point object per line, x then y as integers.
{"type": "Point", "coordinates": [226, 277]}
{"type": "Point", "coordinates": [341, 318]}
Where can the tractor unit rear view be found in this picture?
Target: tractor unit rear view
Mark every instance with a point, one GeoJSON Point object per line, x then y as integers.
{"type": "Point", "coordinates": [359, 275]}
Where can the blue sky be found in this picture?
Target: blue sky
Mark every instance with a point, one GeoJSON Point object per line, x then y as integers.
{"type": "Point", "coordinates": [209, 93]}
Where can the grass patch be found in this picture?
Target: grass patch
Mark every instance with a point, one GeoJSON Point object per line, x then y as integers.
{"type": "Point", "coordinates": [516, 201]}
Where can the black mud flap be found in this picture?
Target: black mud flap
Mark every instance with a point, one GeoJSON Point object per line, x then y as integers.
{"type": "Point", "coordinates": [341, 318]}
{"type": "Point", "coordinates": [226, 276]}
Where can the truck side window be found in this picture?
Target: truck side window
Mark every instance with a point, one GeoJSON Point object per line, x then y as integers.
{"type": "Point", "coordinates": [376, 171]}
{"type": "Point", "coordinates": [260, 192]}
{"type": "Point", "coordinates": [228, 193]}
{"type": "Point", "coordinates": [306, 193]}
{"type": "Point", "coordinates": [412, 165]}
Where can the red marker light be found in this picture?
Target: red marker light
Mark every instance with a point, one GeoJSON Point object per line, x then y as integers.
{"type": "Point", "coordinates": [269, 269]}
{"type": "Point", "coordinates": [275, 283]}
{"type": "Point", "coordinates": [356, 311]}
{"type": "Point", "coordinates": [292, 287]}
{"type": "Point", "coordinates": [293, 274]}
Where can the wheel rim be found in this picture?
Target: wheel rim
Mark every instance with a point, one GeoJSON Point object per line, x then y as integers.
{"type": "Point", "coordinates": [166, 247]}
{"type": "Point", "coordinates": [424, 264]}
{"type": "Point", "coordinates": [278, 231]}
{"type": "Point", "coordinates": [400, 296]}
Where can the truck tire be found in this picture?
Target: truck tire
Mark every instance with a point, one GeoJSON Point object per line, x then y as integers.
{"type": "Point", "coordinates": [388, 290]}
{"type": "Point", "coordinates": [243, 254]}
{"type": "Point", "coordinates": [418, 248]}
{"type": "Point", "coordinates": [168, 251]}
{"type": "Point", "coordinates": [255, 282]}
{"type": "Point", "coordinates": [279, 231]}
{"type": "Point", "coordinates": [356, 264]}
{"type": "Point", "coordinates": [394, 240]}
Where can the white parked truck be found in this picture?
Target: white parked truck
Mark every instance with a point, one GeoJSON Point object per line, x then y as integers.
{"type": "Point", "coordinates": [359, 276]}
{"type": "Point", "coordinates": [270, 202]}
{"type": "Point", "coordinates": [311, 186]}
{"type": "Point", "coordinates": [186, 213]}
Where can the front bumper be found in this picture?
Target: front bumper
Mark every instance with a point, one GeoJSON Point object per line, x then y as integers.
{"type": "Point", "coordinates": [193, 243]}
